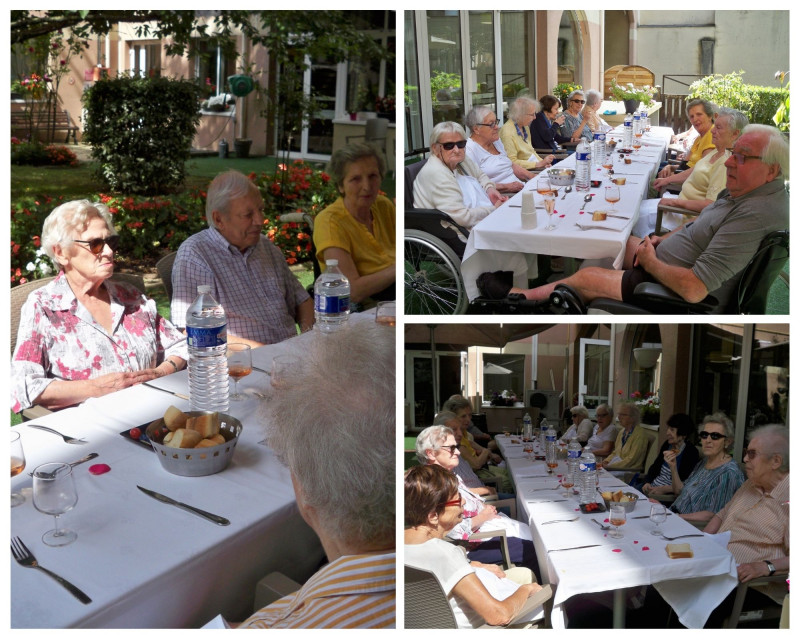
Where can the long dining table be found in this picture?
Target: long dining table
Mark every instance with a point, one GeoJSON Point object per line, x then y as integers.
{"type": "Point", "coordinates": [145, 564]}
{"type": "Point", "coordinates": [578, 557]}
{"type": "Point", "coordinates": [500, 243]}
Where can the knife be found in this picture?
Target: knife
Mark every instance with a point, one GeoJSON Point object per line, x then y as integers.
{"type": "Point", "coordinates": [587, 546]}
{"type": "Point", "coordinates": [262, 370]}
{"type": "Point", "coordinates": [91, 456]}
{"type": "Point", "coordinates": [174, 393]}
{"type": "Point", "coordinates": [203, 514]}
{"type": "Point", "coordinates": [669, 513]}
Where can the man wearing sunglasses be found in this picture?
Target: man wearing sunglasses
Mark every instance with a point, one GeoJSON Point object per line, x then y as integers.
{"type": "Point", "coordinates": [705, 256]}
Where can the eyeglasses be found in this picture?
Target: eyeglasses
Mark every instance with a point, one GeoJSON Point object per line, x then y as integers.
{"type": "Point", "coordinates": [741, 158]}
{"type": "Point", "coordinates": [581, 101]}
{"type": "Point", "coordinates": [602, 415]}
{"type": "Point", "coordinates": [712, 435]}
{"type": "Point", "coordinates": [496, 123]}
{"type": "Point", "coordinates": [95, 245]}
{"type": "Point", "coordinates": [752, 453]}
{"type": "Point", "coordinates": [448, 146]}
{"type": "Point", "coordinates": [452, 448]}
{"type": "Point", "coordinates": [452, 503]}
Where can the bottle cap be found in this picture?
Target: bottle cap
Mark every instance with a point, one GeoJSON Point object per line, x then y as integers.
{"type": "Point", "coordinates": [203, 288]}
{"type": "Point", "coordinates": [332, 262]}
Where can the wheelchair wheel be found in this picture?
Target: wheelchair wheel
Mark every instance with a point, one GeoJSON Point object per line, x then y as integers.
{"type": "Point", "coordinates": [433, 283]}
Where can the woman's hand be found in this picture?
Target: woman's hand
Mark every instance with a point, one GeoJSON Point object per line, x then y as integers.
{"type": "Point", "coordinates": [510, 187]}
{"type": "Point", "coordinates": [111, 382]}
{"type": "Point", "coordinates": [495, 197]}
{"type": "Point", "coordinates": [646, 487]}
{"type": "Point", "coordinates": [491, 568]}
{"type": "Point", "coordinates": [666, 172]}
{"type": "Point", "coordinates": [488, 512]}
{"type": "Point", "coordinates": [671, 458]}
{"type": "Point", "coordinates": [752, 570]}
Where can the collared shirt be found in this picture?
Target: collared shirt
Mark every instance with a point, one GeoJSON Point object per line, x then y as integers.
{"type": "Point", "coordinates": [351, 592]}
{"type": "Point", "coordinates": [58, 339]}
{"type": "Point", "coordinates": [259, 293]}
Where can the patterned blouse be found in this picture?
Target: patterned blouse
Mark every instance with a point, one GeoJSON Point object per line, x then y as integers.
{"type": "Point", "coordinates": [59, 339]}
{"type": "Point", "coordinates": [708, 489]}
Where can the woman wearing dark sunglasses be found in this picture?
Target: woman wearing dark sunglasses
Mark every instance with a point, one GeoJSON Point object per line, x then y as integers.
{"type": "Point", "coordinates": [82, 335]}
{"type": "Point", "coordinates": [451, 182]}
{"type": "Point", "coordinates": [575, 127]}
{"type": "Point", "coordinates": [716, 477]}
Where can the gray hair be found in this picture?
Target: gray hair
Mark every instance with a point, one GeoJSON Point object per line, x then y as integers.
{"type": "Point", "coordinates": [593, 96]}
{"type": "Point", "coordinates": [431, 439]}
{"type": "Point", "coordinates": [344, 157]}
{"type": "Point", "coordinates": [708, 107]}
{"type": "Point", "coordinates": [443, 417]}
{"type": "Point", "coordinates": [339, 454]}
{"type": "Point", "coordinates": [577, 92]}
{"type": "Point", "coordinates": [446, 127]}
{"type": "Point", "coordinates": [738, 120]}
{"type": "Point", "coordinates": [476, 115]}
{"type": "Point", "coordinates": [456, 403]}
{"type": "Point", "coordinates": [580, 410]}
{"type": "Point", "coordinates": [776, 149]}
{"type": "Point", "coordinates": [227, 186]}
{"type": "Point", "coordinates": [518, 107]}
{"type": "Point", "coordinates": [634, 409]}
{"type": "Point", "coordinates": [719, 418]}
{"type": "Point", "coordinates": [69, 219]}
{"type": "Point", "coordinates": [777, 437]}
{"type": "Point", "coordinates": [607, 407]}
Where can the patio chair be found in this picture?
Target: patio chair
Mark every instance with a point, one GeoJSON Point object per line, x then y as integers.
{"type": "Point", "coordinates": [273, 587]}
{"type": "Point", "coordinates": [164, 270]}
{"type": "Point", "coordinates": [427, 605]}
{"type": "Point", "coordinates": [771, 612]}
{"type": "Point", "coordinates": [668, 208]}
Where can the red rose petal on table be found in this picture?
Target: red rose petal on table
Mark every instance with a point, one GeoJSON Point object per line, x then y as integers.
{"type": "Point", "coordinates": [564, 215]}
{"type": "Point", "coordinates": [645, 548]}
{"type": "Point", "coordinates": [617, 550]}
{"type": "Point", "coordinates": [99, 469]}
{"type": "Point", "coordinates": [635, 542]}
{"type": "Point", "coordinates": [606, 520]}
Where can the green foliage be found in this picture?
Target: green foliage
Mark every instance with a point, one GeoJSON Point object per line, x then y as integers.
{"type": "Point", "coordinates": [563, 89]}
{"type": "Point", "coordinates": [628, 91]}
{"type": "Point", "coordinates": [760, 104]}
{"type": "Point", "coordinates": [141, 131]}
{"type": "Point", "coordinates": [38, 154]}
{"type": "Point", "coordinates": [781, 117]}
{"type": "Point", "coordinates": [450, 82]}
{"type": "Point", "coordinates": [515, 89]}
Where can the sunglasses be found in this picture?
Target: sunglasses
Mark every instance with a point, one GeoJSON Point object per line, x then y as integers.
{"type": "Point", "coordinates": [452, 448]}
{"type": "Point", "coordinates": [581, 101]}
{"type": "Point", "coordinates": [448, 146]}
{"type": "Point", "coordinates": [713, 436]}
{"type": "Point", "coordinates": [95, 245]}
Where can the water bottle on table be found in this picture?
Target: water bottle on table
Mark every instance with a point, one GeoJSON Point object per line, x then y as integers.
{"type": "Point", "coordinates": [627, 132]}
{"type": "Point", "coordinates": [527, 428]}
{"type": "Point", "coordinates": [207, 338]}
{"type": "Point", "coordinates": [551, 450]}
{"type": "Point", "coordinates": [331, 298]}
{"type": "Point", "coordinates": [582, 161]}
{"type": "Point", "coordinates": [587, 467]}
{"type": "Point", "coordinates": [599, 150]}
{"type": "Point", "coordinates": [574, 450]}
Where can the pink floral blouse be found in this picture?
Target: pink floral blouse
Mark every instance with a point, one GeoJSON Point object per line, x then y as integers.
{"type": "Point", "coordinates": [59, 340]}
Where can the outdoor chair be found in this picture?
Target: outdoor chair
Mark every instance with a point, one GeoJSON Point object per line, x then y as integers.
{"type": "Point", "coordinates": [668, 208]}
{"type": "Point", "coordinates": [771, 612]}
{"type": "Point", "coordinates": [427, 605]}
{"type": "Point", "coordinates": [631, 473]}
{"type": "Point", "coordinates": [164, 270]}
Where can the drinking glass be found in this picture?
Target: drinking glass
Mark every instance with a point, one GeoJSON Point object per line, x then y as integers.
{"type": "Point", "coordinates": [54, 493]}
{"type": "Point", "coordinates": [617, 519]}
{"type": "Point", "coordinates": [17, 465]}
{"type": "Point", "coordinates": [240, 364]}
{"type": "Point", "coordinates": [612, 195]}
{"type": "Point", "coordinates": [386, 313]}
{"type": "Point", "coordinates": [527, 447]}
{"type": "Point", "coordinates": [543, 186]}
{"type": "Point", "coordinates": [283, 369]}
{"type": "Point", "coordinates": [658, 515]}
{"type": "Point", "coordinates": [568, 481]}
{"type": "Point", "coordinates": [550, 207]}
{"type": "Point", "coordinates": [608, 163]}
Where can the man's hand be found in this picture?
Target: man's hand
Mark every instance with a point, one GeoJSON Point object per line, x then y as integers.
{"type": "Point", "coordinates": [645, 254]}
{"type": "Point", "coordinates": [752, 570]}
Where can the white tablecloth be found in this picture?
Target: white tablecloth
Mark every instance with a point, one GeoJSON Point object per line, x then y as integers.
{"type": "Point", "coordinates": [693, 587]}
{"type": "Point", "coordinates": [146, 564]}
{"type": "Point", "coordinates": [498, 242]}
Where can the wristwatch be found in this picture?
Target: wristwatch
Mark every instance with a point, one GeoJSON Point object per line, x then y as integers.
{"type": "Point", "coordinates": [771, 567]}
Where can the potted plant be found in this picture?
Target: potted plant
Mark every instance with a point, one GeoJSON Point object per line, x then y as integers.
{"type": "Point", "coordinates": [649, 406]}
{"type": "Point", "coordinates": [632, 96]}
{"type": "Point", "coordinates": [563, 89]}
{"type": "Point", "coordinates": [385, 107]}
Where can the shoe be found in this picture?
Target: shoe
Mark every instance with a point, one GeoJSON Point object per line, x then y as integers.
{"type": "Point", "coordinates": [496, 285]}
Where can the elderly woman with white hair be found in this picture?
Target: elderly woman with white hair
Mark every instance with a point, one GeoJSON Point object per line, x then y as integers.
{"type": "Point", "coordinates": [581, 427]}
{"type": "Point", "coordinates": [589, 113]}
{"type": "Point", "coordinates": [451, 182]}
{"type": "Point", "coordinates": [82, 335]}
{"type": "Point", "coordinates": [630, 447]}
{"type": "Point", "coordinates": [485, 149]}
{"type": "Point", "coordinates": [515, 135]}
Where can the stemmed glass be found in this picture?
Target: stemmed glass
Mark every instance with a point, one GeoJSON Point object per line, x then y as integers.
{"type": "Point", "coordinates": [568, 481]}
{"type": "Point", "coordinates": [617, 517]}
{"type": "Point", "coordinates": [240, 364]}
{"type": "Point", "coordinates": [527, 447]}
{"type": "Point", "coordinates": [658, 515]}
{"type": "Point", "coordinates": [54, 493]}
{"type": "Point", "coordinates": [386, 313]}
{"type": "Point", "coordinates": [17, 465]}
{"type": "Point", "coordinates": [612, 195]}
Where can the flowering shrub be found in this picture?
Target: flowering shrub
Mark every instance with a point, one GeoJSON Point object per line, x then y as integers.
{"type": "Point", "coordinates": [37, 154]}
{"type": "Point", "coordinates": [563, 89]}
{"type": "Point", "coordinates": [384, 104]}
{"type": "Point", "coordinates": [643, 94]}
{"type": "Point", "coordinates": [34, 86]}
{"type": "Point", "coordinates": [649, 405]}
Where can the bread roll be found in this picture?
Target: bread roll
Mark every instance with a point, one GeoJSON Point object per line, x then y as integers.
{"type": "Point", "coordinates": [206, 425]}
{"type": "Point", "coordinates": [174, 418]}
{"type": "Point", "coordinates": [206, 442]}
{"type": "Point", "coordinates": [682, 550]}
{"type": "Point", "coordinates": [168, 437]}
{"type": "Point", "coordinates": [184, 439]}
{"type": "Point", "coordinates": [599, 216]}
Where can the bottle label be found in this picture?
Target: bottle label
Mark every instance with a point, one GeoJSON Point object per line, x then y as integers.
{"type": "Point", "coordinates": [331, 304]}
{"type": "Point", "coordinates": [202, 338]}
{"type": "Point", "coordinates": [582, 156]}
{"type": "Point", "coordinates": [573, 453]}
{"type": "Point", "coordinates": [587, 466]}
{"type": "Point", "coordinates": [600, 136]}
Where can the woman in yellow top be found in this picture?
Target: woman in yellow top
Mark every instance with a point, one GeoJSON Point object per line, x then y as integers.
{"type": "Point", "coordinates": [630, 448]}
{"type": "Point", "coordinates": [358, 229]}
{"type": "Point", "coordinates": [515, 135]}
{"type": "Point", "coordinates": [701, 115]}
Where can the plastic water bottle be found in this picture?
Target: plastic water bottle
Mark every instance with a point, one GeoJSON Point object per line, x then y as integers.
{"type": "Point", "coordinates": [627, 132]}
{"type": "Point", "coordinates": [587, 466]}
{"type": "Point", "coordinates": [637, 123]}
{"type": "Point", "coordinates": [543, 428]}
{"type": "Point", "coordinates": [527, 428]}
{"type": "Point", "coordinates": [551, 450]}
{"type": "Point", "coordinates": [599, 150]}
{"type": "Point", "coordinates": [574, 450]}
{"type": "Point", "coordinates": [582, 160]}
{"type": "Point", "coordinates": [207, 337]}
{"type": "Point", "coordinates": [331, 298]}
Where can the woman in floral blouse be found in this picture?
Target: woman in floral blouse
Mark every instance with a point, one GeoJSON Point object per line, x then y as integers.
{"type": "Point", "coordinates": [82, 336]}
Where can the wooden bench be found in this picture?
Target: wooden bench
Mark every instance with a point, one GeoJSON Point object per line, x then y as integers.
{"type": "Point", "coordinates": [57, 120]}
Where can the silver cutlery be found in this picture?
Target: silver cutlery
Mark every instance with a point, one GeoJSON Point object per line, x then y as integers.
{"type": "Point", "coordinates": [24, 557]}
{"type": "Point", "coordinates": [203, 514]}
{"type": "Point", "coordinates": [564, 520]}
{"type": "Point", "coordinates": [589, 227]}
{"type": "Point", "coordinates": [545, 489]}
{"type": "Point", "coordinates": [686, 535]}
{"type": "Point", "coordinates": [269, 373]}
{"type": "Point", "coordinates": [586, 546]}
{"type": "Point", "coordinates": [67, 439]}
{"type": "Point", "coordinates": [544, 501]}
{"type": "Point", "coordinates": [567, 190]}
{"type": "Point", "coordinates": [44, 474]}
{"type": "Point", "coordinates": [604, 527]}
{"type": "Point", "coordinates": [174, 393]}
{"type": "Point", "coordinates": [669, 513]}
{"type": "Point", "coordinates": [611, 215]}
{"type": "Point", "coordinates": [588, 197]}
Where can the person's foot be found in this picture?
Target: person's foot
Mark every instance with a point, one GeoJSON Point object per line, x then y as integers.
{"type": "Point", "coordinates": [495, 285]}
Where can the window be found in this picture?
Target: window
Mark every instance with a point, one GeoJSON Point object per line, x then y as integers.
{"type": "Point", "coordinates": [145, 59]}
{"type": "Point", "coordinates": [212, 67]}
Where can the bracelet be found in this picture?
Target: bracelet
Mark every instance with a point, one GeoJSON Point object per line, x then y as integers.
{"type": "Point", "coordinates": [174, 366]}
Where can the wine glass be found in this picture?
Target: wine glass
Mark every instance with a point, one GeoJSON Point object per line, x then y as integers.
{"type": "Point", "coordinates": [550, 207]}
{"type": "Point", "coordinates": [568, 481]}
{"type": "Point", "coordinates": [637, 143]}
{"type": "Point", "coordinates": [54, 493]}
{"type": "Point", "coordinates": [612, 195]}
{"type": "Point", "coordinates": [17, 465]}
{"type": "Point", "coordinates": [617, 519]}
{"type": "Point", "coordinates": [543, 186]}
{"type": "Point", "coordinates": [240, 364]}
{"type": "Point", "coordinates": [527, 447]}
{"type": "Point", "coordinates": [658, 515]}
{"type": "Point", "coordinates": [386, 313]}
{"type": "Point", "coordinates": [608, 163]}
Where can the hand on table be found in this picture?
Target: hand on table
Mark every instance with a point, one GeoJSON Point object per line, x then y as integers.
{"type": "Point", "coordinates": [111, 382]}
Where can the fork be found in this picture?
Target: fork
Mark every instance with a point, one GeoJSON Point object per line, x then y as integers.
{"type": "Point", "coordinates": [67, 439]}
{"type": "Point", "coordinates": [24, 557]}
{"type": "Point", "coordinates": [566, 520]}
{"type": "Point", "coordinates": [686, 535]}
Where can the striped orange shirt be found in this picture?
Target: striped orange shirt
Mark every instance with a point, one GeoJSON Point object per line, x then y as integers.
{"type": "Point", "coordinates": [350, 592]}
